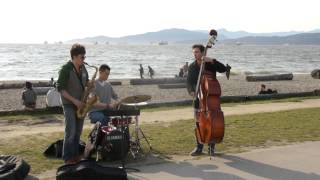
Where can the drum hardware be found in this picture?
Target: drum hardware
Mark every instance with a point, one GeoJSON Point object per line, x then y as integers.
{"type": "Point", "coordinates": [135, 145]}
{"type": "Point", "coordinates": [125, 129]}
{"type": "Point", "coordinates": [133, 102]}
{"type": "Point", "coordinates": [93, 141]}
{"type": "Point", "coordinates": [117, 136]}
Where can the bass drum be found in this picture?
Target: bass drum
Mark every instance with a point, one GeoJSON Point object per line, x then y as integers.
{"type": "Point", "coordinates": [114, 144]}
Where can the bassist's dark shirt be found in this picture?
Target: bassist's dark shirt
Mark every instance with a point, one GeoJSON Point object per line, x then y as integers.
{"type": "Point", "coordinates": [193, 72]}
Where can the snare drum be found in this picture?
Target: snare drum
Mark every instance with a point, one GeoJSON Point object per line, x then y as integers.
{"type": "Point", "coordinates": [124, 121]}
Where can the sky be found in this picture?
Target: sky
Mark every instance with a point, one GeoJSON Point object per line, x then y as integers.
{"type": "Point", "coordinates": [36, 21]}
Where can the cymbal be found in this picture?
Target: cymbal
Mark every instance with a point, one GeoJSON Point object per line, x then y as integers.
{"type": "Point", "coordinates": [135, 104]}
{"type": "Point", "coordinates": [135, 99]}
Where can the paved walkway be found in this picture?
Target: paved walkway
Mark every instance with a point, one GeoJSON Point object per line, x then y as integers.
{"type": "Point", "coordinates": [293, 162]}
{"type": "Point", "coordinates": [187, 113]}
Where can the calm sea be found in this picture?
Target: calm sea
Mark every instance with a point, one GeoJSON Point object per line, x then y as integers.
{"type": "Point", "coordinates": [43, 61]}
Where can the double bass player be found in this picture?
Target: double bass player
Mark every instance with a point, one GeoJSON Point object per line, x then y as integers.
{"type": "Point", "coordinates": [213, 66]}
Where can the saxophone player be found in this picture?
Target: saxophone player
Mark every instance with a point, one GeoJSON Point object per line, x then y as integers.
{"type": "Point", "coordinates": [105, 93]}
{"type": "Point", "coordinates": [73, 77]}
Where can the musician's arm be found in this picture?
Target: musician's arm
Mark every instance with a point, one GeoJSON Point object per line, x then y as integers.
{"type": "Point", "coordinates": [191, 80]}
{"type": "Point", "coordinates": [101, 105]}
{"type": "Point", "coordinates": [75, 101]}
{"type": "Point", "coordinates": [217, 66]}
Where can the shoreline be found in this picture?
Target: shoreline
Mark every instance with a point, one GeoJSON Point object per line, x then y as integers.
{"type": "Point", "coordinates": [160, 77]}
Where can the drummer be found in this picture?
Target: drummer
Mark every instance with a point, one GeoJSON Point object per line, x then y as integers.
{"type": "Point", "coordinates": [106, 94]}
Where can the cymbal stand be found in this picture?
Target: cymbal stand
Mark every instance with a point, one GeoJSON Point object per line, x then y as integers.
{"type": "Point", "coordinates": [135, 147]}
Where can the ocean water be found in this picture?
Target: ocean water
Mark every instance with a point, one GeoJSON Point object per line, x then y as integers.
{"type": "Point", "coordinates": [43, 61]}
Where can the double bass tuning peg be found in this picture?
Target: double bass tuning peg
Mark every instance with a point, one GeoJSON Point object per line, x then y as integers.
{"type": "Point", "coordinates": [212, 40]}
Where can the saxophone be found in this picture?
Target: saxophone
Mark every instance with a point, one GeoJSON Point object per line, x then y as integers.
{"type": "Point", "coordinates": [89, 101]}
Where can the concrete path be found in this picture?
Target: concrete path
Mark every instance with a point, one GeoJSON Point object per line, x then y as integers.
{"type": "Point", "coordinates": [187, 113]}
{"type": "Point", "coordinates": [293, 162]}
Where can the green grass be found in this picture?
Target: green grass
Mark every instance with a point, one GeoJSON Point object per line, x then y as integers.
{"type": "Point", "coordinates": [31, 148]}
{"type": "Point", "coordinates": [243, 132]}
{"type": "Point", "coordinates": [166, 108]}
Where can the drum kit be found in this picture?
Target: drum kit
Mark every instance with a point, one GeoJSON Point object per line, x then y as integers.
{"type": "Point", "coordinates": [114, 142]}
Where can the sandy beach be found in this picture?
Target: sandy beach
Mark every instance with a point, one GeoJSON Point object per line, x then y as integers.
{"type": "Point", "coordinates": [237, 85]}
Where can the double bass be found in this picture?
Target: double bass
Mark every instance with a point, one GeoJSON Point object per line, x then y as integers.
{"type": "Point", "coordinates": [209, 117]}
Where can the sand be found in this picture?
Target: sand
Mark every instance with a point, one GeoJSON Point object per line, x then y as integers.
{"type": "Point", "coordinates": [237, 85]}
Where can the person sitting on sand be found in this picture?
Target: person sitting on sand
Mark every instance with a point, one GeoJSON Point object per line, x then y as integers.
{"type": "Point", "coordinates": [180, 72]}
{"type": "Point", "coordinates": [263, 90]}
{"type": "Point", "coordinates": [53, 98]}
{"type": "Point", "coordinates": [29, 97]}
{"type": "Point", "coordinates": [105, 93]}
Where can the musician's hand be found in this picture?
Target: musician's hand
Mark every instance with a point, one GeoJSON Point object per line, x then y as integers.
{"type": "Point", "coordinates": [91, 84]}
{"type": "Point", "coordinates": [114, 105]}
{"type": "Point", "coordinates": [79, 104]}
{"type": "Point", "coordinates": [209, 60]}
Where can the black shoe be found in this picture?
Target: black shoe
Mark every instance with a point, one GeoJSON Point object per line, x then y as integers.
{"type": "Point", "coordinates": [211, 150]}
{"type": "Point", "coordinates": [196, 151]}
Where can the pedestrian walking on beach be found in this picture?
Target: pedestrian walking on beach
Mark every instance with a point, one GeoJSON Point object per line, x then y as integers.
{"type": "Point", "coordinates": [151, 72]}
{"type": "Point", "coordinates": [141, 71]}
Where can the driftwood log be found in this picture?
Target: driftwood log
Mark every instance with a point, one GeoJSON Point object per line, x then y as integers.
{"type": "Point", "coordinates": [269, 77]}
{"type": "Point", "coordinates": [315, 74]}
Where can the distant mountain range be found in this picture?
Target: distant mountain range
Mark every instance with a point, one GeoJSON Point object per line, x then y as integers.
{"type": "Point", "coordinates": [173, 36]}
{"type": "Point", "coordinates": [303, 38]}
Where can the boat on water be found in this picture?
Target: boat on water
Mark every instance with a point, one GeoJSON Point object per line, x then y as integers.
{"type": "Point", "coordinates": [163, 43]}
